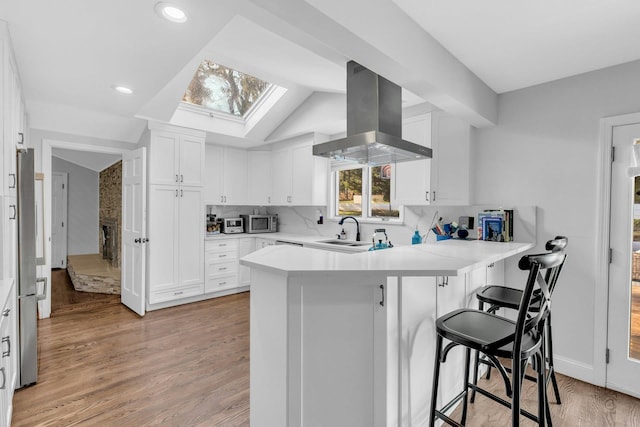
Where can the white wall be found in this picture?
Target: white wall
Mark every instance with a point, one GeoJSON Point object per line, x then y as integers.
{"type": "Point", "coordinates": [83, 205]}
{"type": "Point", "coordinates": [544, 152]}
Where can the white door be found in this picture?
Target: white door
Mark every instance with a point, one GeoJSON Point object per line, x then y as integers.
{"type": "Point", "coordinates": [134, 227]}
{"type": "Point", "coordinates": [59, 190]}
{"type": "Point", "coordinates": [623, 369]}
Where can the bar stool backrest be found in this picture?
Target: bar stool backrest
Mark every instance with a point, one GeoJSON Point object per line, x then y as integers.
{"type": "Point", "coordinates": [550, 264]}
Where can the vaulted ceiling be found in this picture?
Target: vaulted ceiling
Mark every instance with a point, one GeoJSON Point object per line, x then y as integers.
{"type": "Point", "coordinates": [456, 56]}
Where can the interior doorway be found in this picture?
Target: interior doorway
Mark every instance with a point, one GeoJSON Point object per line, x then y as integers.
{"type": "Point", "coordinates": [48, 147]}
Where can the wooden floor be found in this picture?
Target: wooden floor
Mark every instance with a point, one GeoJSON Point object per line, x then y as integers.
{"type": "Point", "coordinates": [64, 297]}
{"type": "Point", "coordinates": [105, 366]}
{"type": "Point", "coordinates": [102, 365]}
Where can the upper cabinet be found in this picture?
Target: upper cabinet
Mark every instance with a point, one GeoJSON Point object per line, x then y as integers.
{"type": "Point", "coordinates": [287, 175]}
{"type": "Point", "coordinates": [226, 175]}
{"type": "Point", "coordinates": [259, 177]}
{"type": "Point", "coordinates": [176, 157]}
{"type": "Point", "coordinates": [443, 179]}
{"type": "Point", "coordinates": [450, 141]}
{"type": "Point", "coordinates": [12, 115]}
{"type": "Point", "coordinates": [298, 178]}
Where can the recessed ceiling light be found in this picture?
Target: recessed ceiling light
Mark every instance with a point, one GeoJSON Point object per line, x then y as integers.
{"type": "Point", "coordinates": [171, 12]}
{"type": "Point", "coordinates": [122, 89]}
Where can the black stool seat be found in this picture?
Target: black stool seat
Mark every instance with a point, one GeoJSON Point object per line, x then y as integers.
{"type": "Point", "coordinates": [500, 296]}
{"type": "Point", "coordinates": [486, 333]}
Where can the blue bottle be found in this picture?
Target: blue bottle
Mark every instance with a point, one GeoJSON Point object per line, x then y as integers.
{"type": "Point", "coordinates": [416, 239]}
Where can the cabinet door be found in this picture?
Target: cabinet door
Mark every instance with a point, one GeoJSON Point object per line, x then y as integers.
{"type": "Point", "coordinates": [162, 248]}
{"type": "Point", "coordinates": [9, 238]}
{"type": "Point", "coordinates": [495, 273]}
{"type": "Point", "coordinates": [214, 162]}
{"type": "Point", "coordinates": [476, 279]}
{"type": "Point", "coordinates": [281, 177]}
{"type": "Point", "coordinates": [190, 227]}
{"type": "Point", "coordinates": [245, 247]}
{"type": "Point", "coordinates": [9, 116]}
{"type": "Point", "coordinates": [259, 177]}
{"type": "Point", "coordinates": [191, 161]}
{"type": "Point", "coordinates": [302, 175]}
{"type": "Point", "coordinates": [163, 158]}
{"type": "Point", "coordinates": [412, 179]}
{"type": "Point", "coordinates": [450, 163]}
{"type": "Point", "coordinates": [235, 176]}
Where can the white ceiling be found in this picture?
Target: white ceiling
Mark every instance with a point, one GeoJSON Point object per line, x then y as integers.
{"type": "Point", "coordinates": [455, 55]}
{"type": "Point", "coordinates": [97, 162]}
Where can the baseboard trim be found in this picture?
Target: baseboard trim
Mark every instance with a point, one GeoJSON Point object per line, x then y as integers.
{"type": "Point", "coordinates": [575, 369]}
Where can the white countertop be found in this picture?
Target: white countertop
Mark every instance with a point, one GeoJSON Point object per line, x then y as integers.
{"type": "Point", "coordinates": [444, 258]}
{"type": "Point", "coordinates": [312, 240]}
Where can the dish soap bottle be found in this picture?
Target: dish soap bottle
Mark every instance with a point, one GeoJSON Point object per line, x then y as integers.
{"type": "Point", "coordinates": [343, 235]}
{"type": "Point", "coordinates": [416, 239]}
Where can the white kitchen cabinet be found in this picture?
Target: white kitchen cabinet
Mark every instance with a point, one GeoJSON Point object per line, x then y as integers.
{"type": "Point", "coordinates": [222, 269]}
{"type": "Point", "coordinates": [443, 179]}
{"type": "Point", "coordinates": [8, 361]}
{"type": "Point", "coordinates": [412, 180]}
{"type": "Point", "coordinates": [12, 119]}
{"type": "Point", "coordinates": [263, 243]}
{"type": "Point", "coordinates": [298, 177]}
{"type": "Point", "coordinates": [259, 177]}
{"type": "Point", "coordinates": [176, 243]}
{"type": "Point", "coordinates": [176, 157]}
{"type": "Point", "coordinates": [246, 245]}
{"type": "Point", "coordinates": [226, 176]}
{"type": "Point", "coordinates": [451, 143]}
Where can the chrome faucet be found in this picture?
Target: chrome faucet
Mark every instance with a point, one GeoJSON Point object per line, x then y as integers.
{"type": "Point", "coordinates": [357, 226]}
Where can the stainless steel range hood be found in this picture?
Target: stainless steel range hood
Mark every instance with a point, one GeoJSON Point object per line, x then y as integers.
{"type": "Point", "coordinates": [374, 123]}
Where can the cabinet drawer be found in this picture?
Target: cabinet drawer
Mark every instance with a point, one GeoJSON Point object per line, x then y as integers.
{"type": "Point", "coordinates": [217, 268]}
{"type": "Point", "coordinates": [214, 284]}
{"type": "Point", "coordinates": [176, 293]}
{"type": "Point", "coordinates": [220, 245]}
{"type": "Point", "coordinates": [218, 257]}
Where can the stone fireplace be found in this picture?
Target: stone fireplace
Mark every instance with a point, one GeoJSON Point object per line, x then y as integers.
{"type": "Point", "coordinates": [110, 240]}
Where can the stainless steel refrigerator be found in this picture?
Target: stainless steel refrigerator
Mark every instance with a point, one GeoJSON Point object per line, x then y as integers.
{"type": "Point", "coordinates": [27, 287]}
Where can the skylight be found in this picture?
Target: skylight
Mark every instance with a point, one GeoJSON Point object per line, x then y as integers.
{"type": "Point", "coordinates": [223, 89]}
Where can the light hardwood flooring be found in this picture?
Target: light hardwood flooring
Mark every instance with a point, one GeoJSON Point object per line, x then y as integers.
{"type": "Point", "coordinates": [64, 297]}
{"type": "Point", "coordinates": [102, 365]}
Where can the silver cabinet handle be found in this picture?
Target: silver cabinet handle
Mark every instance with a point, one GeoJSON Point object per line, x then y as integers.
{"type": "Point", "coordinates": [181, 178]}
{"type": "Point", "coordinates": [222, 268]}
{"type": "Point", "coordinates": [222, 256]}
{"type": "Point", "coordinates": [6, 312]}
{"type": "Point", "coordinates": [176, 177]}
{"type": "Point", "coordinates": [382, 292]}
{"type": "Point", "coordinates": [13, 180]}
{"type": "Point", "coordinates": [178, 293]}
{"type": "Point", "coordinates": [181, 193]}
{"type": "Point", "coordinates": [4, 379]}
{"type": "Point", "coordinates": [6, 340]}
{"type": "Point", "coordinates": [222, 283]}
{"type": "Point", "coordinates": [426, 196]}
{"type": "Point", "coordinates": [434, 195]}
{"type": "Point", "coordinates": [20, 138]}
{"type": "Point", "coordinates": [176, 192]}
{"type": "Point", "coordinates": [15, 212]}
{"type": "Point", "coordinates": [222, 244]}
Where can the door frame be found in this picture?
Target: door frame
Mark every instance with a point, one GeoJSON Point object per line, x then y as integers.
{"type": "Point", "coordinates": [65, 215]}
{"type": "Point", "coordinates": [44, 306]}
{"type": "Point", "coordinates": [601, 292]}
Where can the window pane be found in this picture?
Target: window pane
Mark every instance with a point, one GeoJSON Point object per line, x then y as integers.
{"type": "Point", "coordinates": [349, 192]}
{"type": "Point", "coordinates": [220, 88]}
{"type": "Point", "coordinates": [634, 338]}
{"type": "Point", "coordinates": [380, 200]}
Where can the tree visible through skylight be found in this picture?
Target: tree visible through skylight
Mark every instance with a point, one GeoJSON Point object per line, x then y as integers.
{"type": "Point", "coordinates": [220, 88]}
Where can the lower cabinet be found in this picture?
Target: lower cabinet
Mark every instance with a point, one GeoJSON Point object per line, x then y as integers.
{"type": "Point", "coordinates": [222, 268]}
{"type": "Point", "coordinates": [8, 361]}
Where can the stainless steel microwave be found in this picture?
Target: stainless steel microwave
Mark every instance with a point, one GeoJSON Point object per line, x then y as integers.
{"type": "Point", "coordinates": [260, 223]}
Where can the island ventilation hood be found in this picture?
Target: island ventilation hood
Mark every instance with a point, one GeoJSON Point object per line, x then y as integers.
{"type": "Point", "coordinates": [374, 123]}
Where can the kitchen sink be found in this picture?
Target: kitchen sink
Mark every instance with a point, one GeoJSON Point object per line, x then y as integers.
{"type": "Point", "coordinates": [344, 242]}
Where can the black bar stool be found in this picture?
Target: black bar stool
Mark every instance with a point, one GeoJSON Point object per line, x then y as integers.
{"type": "Point", "coordinates": [498, 337]}
{"type": "Point", "coordinates": [505, 297]}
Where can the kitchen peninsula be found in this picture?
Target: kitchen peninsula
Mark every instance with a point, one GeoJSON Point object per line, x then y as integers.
{"type": "Point", "coordinates": [347, 339]}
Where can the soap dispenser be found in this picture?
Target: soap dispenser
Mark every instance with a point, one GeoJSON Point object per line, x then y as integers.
{"type": "Point", "coordinates": [343, 235]}
{"type": "Point", "coordinates": [416, 239]}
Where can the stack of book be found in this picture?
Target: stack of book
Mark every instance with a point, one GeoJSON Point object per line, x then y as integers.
{"type": "Point", "coordinates": [496, 225]}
